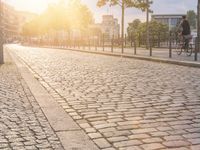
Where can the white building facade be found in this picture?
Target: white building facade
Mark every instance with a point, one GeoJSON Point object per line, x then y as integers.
{"type": "Point", "coordinates": [172, 20]}
{"type": "Point", "coordinates": [109, 26]}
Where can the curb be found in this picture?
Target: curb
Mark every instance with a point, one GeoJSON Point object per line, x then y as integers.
{"type": "Point", "coordinates": [160, 60]}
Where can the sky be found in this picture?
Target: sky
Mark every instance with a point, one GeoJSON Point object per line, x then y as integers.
{"type": "Point", "coordinates": [158, 7]}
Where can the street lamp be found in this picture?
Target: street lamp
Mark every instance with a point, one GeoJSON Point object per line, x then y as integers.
{"type": "Point", "coordinates": [1, 33]}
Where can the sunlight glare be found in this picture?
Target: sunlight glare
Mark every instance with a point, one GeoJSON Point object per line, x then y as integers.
{"type": "Point", "coordinates": [36, 6]}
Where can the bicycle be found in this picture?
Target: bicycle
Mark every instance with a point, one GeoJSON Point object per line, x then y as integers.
{"type": "Point", "coordinates": [183, 45]}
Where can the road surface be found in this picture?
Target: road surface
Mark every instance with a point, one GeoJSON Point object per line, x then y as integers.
{"type": "Point", "coordinates": [122, 103]}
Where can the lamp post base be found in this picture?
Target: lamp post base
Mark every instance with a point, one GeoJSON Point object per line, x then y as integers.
{"type": "Point", "coordinates": [1, 54]}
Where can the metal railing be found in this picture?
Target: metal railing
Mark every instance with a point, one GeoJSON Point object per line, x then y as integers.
{"type": "Point", "coordinates": [133, 45]}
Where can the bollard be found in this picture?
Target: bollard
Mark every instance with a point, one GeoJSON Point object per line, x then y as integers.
{"type": "Point", "coordinates": [1, 54]}
{"type": "Point", "coordinates": [153, 40]}
{"type": "Point", "coordinates": [196, 49]}
{"type": "Point", "coordinates": [135, 47]}
{"type": "Point", "coordinates": [159, 39]}
{"type": "Point", "coordinates": [103, 43]}
{"type": "Point", "coordinates": [83, 44]}
{"type": "Point", "coordinates": [112, 44]}
{"type": "Point", "coordinates": [150, 48]}
{"type": "Point", "coordinates": [69, 44]}
{"type": "Point", "coordinates": [78, 43]}
{"type": "Point", "coordinates": [132, 40]}
{"type": "Point", "coordinates": [139, 39]}
{"type": "Point", "coordinates": [125, 41]}
{"type": "Point", "coordinates": [1, 48]}
{"type": "Point", "coordinates": [96, 45]}
{"type": "Point", "coordinates": [89, 43]}
{"type": "Point", "coordinates": [170, 44]}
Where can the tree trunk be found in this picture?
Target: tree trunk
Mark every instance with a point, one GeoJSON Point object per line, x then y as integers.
{"type": "Point", "coordinates": [122, 36]}
{"type": "Point", "coordinates": [1, 33]}
{"type": "Point", "coordinates": [198, 25]}
{"type": "Point", "coordinates": [147, 26]}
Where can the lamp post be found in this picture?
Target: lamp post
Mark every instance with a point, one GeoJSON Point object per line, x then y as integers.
{"type": "Point", "coordinates": [1, 33]}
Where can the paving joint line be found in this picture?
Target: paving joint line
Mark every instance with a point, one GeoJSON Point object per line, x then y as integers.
{"type": "Point", "coordinates": [68, 130]}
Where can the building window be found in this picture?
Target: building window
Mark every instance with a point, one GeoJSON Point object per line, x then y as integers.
{"type": "Point", "coordinates": [107, 30]}
{"type": "Point", "coordinates": [174, 21]}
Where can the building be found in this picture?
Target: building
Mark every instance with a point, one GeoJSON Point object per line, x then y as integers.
{"type": "Point", "coordinates": [172, 20]}
{"type": "Point", "coordinates": [24, 17]}
{"type": "Point", "coordinates": [9, 21]}
{"type": "Point", "coordinates": [12, 21]}
{"type": "Point", "coordinates": [109, 26]}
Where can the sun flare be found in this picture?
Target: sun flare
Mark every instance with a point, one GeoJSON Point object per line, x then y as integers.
{"type": "Point", "coordinates": [36, 6]}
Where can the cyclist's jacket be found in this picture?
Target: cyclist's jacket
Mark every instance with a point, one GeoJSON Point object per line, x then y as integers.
{"type": "Point", "coordinates": [186, 27]}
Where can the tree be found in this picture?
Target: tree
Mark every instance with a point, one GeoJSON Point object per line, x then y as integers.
{"type": "Point", "coordinates": [133, 28]}
{"type": "Point", "coordinates": [192, 18]}
{"type": "Point", "coordinates": [32, 28]}
{"type": "Point", "coordinates": [60, 17]}
{"type": "Point", "coordinates": [141, 4]}
{"type": "Point", "coordinates": [158, 31]}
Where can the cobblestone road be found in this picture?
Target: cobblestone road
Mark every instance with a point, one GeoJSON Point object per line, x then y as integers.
{"type": "Point", "coordinates": [121, 103]}
{"type": "Point", "coordinates": [23, 126]}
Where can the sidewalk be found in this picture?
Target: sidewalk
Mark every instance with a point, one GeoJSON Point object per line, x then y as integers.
{"type": "Point", "coordinates": [158, 55]}
{"type": "Point", "coordinates": [22, 122]}
{"type": "Point", "coordinates": [30, 118]}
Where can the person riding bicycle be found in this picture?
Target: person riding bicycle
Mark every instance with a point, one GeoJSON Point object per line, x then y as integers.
{"type": "Point", "coordinates": [185, 30]}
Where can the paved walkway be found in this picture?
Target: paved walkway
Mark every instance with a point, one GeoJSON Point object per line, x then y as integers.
{"type": "Point", "coordinates": [156, 52]}
{"type": "Point", "coordinates": [121, 103]}
{"type": "Point", "coordinates": [23, 125]}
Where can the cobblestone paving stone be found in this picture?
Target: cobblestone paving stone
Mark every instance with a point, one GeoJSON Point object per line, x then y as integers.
{"type": "Point", "coordinates": [121, 103]}
{"type": "Point", "coordinates": [22, 123]}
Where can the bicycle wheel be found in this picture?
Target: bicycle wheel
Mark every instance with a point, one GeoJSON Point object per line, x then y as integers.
{"type": "Point", "coordinates": [189, 50]}
{"type": "Point", "coordinates": [179, 48]}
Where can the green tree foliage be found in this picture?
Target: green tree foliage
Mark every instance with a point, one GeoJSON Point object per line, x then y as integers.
{"type": "Point", "coordinates": [141, 4]}
{"type": "Point", "coordinates": [127, 3]}
{"type": "Point", "coordinates": [154, 26]}
{"type": "Point", "coordinates": [133, 27]}
{"type": "Point", "coordinates": [61, 16]}
{"type": "Point", "coordinates": [192, 18]}
{"type": "Point", "coordinates": [158, 31]}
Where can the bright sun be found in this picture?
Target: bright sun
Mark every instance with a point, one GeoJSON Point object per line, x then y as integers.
{"type": "Point", "coordinates": [36, 6]}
